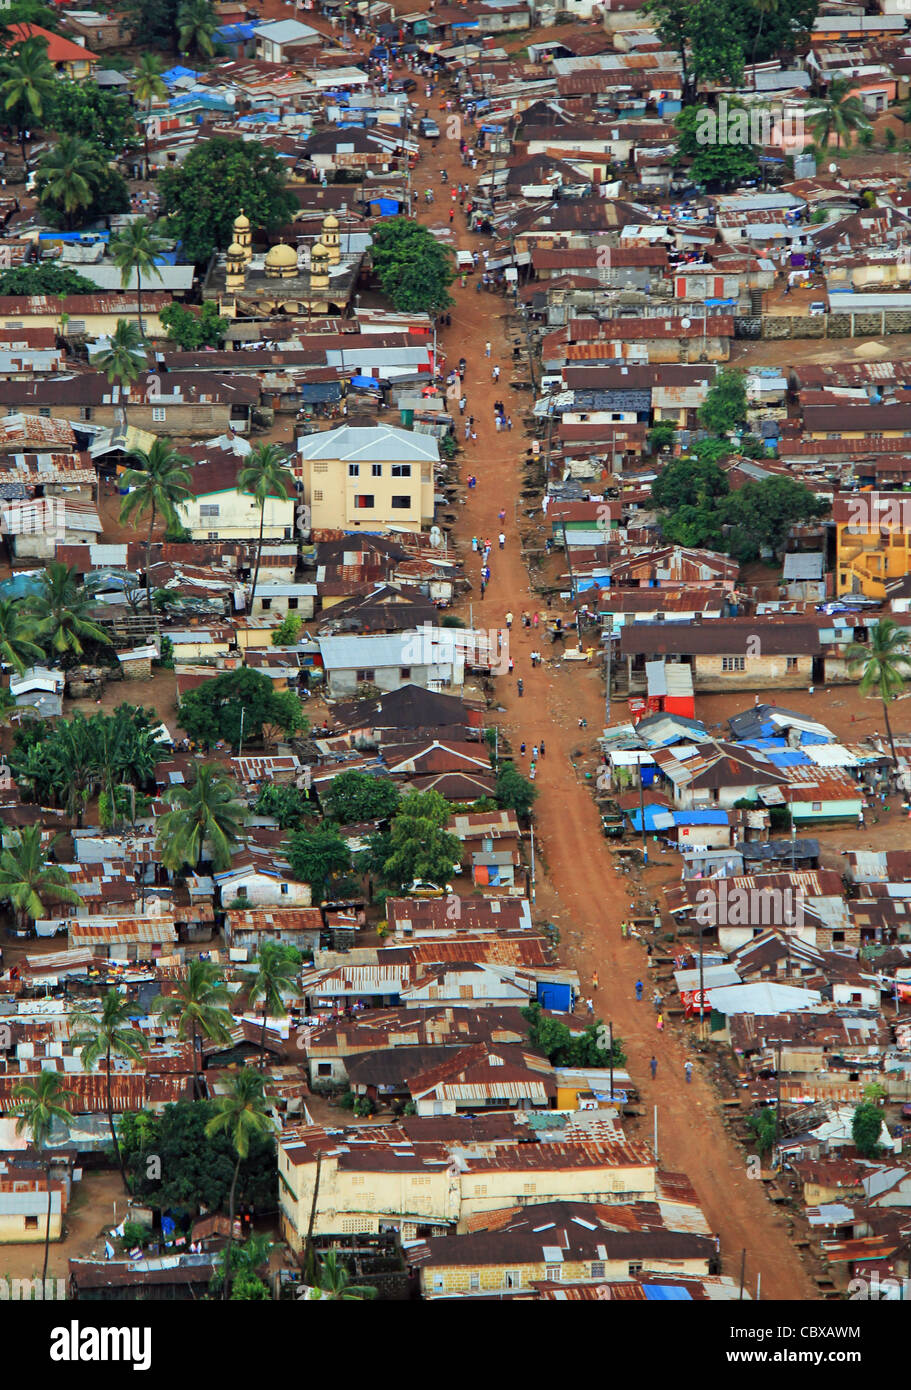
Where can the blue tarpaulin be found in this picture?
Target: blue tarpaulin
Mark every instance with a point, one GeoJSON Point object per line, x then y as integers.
{"type": "Point", "coordinates": [667, 1293]}
{"type": "Point", "coordinates": [365, 381]}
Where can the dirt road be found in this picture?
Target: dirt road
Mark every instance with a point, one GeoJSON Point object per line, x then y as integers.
{"type": "Point", "coordinates": [589, 897]}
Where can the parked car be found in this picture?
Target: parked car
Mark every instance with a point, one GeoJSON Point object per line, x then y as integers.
{"type": "Point", "coordinates": [817, 307]}
{"type": "Point", "coordinates": [428, 128]}
{"type": "Point", "coordinates": [464, 262]}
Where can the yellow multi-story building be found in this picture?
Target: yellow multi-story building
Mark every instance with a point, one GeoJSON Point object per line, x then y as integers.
{"type": "Point", "coordinates": [378, 478]}
{"type": "Point", "coordinates": [873, 541]}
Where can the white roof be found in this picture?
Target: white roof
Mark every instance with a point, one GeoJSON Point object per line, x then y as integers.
{"type": "Point", "coordinates": [107, 277]}
{"type": "Point", "coordinates": [376, 444]}
{"type": "Point", "coordinates": [762, 998]}
{"type": "Point", "coordinates": [830, 755]}
{"type": "Point", "coordinates": [285, 31]}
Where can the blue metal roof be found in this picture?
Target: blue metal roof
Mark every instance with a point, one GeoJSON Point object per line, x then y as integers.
{"type": "Point", "coordinates": [788, 757]}
{"type": "Point", "coordinates": [235, 33]}
{"type": "Point", "coordinates": [667, 1293]}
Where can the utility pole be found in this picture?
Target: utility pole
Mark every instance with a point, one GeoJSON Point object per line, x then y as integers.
{"type": "Point", "coordinates": [701, 987]}
{"type": "Point", "coordinates": [778, 1095]}
{"type": "Point", "coordinates": [743, 1270]}
{"type": "Point", "coordinates": [656, 1134]}
{"type": "Point", "coordinates": [240, 745]}
{"type": "Point", "coordinates": [532, 861]}
{"type": "Point", "coordinates": [642, 827]}
{"type": "Point", "coordinates": [610, 1034]}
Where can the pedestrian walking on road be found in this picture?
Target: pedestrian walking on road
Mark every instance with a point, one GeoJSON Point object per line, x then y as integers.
{"type": "Point", "coordinates": [534, 754]}
{"type": "Point", "coordinates": [496, 373]}
{"type": "Point", "coordinates": [502, 515]}
{"type": "Point", "coordinates": [511, 665]}
{"type": "Point", "coordinates": [509, 422]}
{"type": "Point", "coordinates": [508, 621]}
{"type": "Point", "coordinates": [474, 543]}
{"type": "Point", "coordinates": [654, 1066]}
{"type": "Point", "coordinates": [542, 748]}
{"type": "Point", "coordinates": [462, 404]}
{"type": "Point", "coordinates": [502, 540]}
{"type": "Point", "coordinates": [521, 687]}
{"type": "Point", "coordinates": [688, 1068]}
{"type": "Point", "coordinates": [638, 991]}
{"type": "Point", "coordinates": [487, 349]}
{"type": "Point", "coordinates": [522, 749]}
{"type": "Point", "coordinates": [467, 431]}
{"type": "Point", "coordinates": [660, 1024]}
{"type": "Point", "coordinates": [483, 587]}
{"type": "Point", "coordinates": [590, 1005]}
{"type": "Point", "coordinates": [474, 437]}
{"type": "Point", "coordinates": [534, 621]}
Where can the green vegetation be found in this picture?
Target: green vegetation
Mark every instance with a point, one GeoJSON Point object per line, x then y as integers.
{"type": "Point", "coordinates": [513, 791]}
{"type": "Point", "coordinates": [204, 195]}
{"type": "Point", "coordinates": [40, 1107]}
{"type": "Point", "coordinates": [100, 117]}
{"type": "Point", "coordinates": [241, 1115]}
{"type": "Point", "coordinates": [44, 279]}
{"type": "Point", "coordinates": [289, 806]}
{"type": "Point", "coordinates": [419, 845]}
{"type": "Point", "coordinates": [886, 665]}
{"type": "Point", "coordinates": [213, 710]}
{"type": "Point", "coordinates": [264, 476]}
{"type": "Point", "coordinates": [413, 268]}
{"type": "Point", "coordinates": [724, 163]}
{"type": "Point", "coordinates": [866, 1127]}
{"type": "Point", "coordinates": [317, 857]}
{"type": "Point", "coordinates": [207, 815]}
{"type": "Point", "coordinates": [354, 797]}
{"type": "Point", "coordinates": [198, 1004]}
{"type": "Point", "coordinates": [191, 329]}
{"type": "Point", "coordinates": [565, 1049]}
{"type": "Point", "coordinates": [158, 482]}
{"type": "Point", "coordinates": [102, 1038]}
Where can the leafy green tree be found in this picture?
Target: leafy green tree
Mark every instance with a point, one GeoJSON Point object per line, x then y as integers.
{"type": "Point", "coordinates": [103, 118]}
{"type": "Point", "coordinates": [866, 1127]}
{"type": "Point", "coordinates": [513, 791]}
{"type": "Point", "coordinates": [247, 1262]}
{"type": "Point", "coordinates": [17, 649]}
{"type": "Point", "coordinates": [60, 610]}
{"type": "Point", "coordinates": [195, 1171]}
{"type": "Point", "coordinates": [562, 1047]}
{"type": "Point", "coordinates": [196, 23]}
{"type": "Point", "coordinates": [41, 1106]}
{"type": "Point", "coordinates": [66, 177]}
{"type": "Point", "coordinates": [687, 482]}
{"type": "Point", "coordinates": [725, 406]}
{"type": "Point", "coordinates": [317, 856]}
{"type": "Point", "coordinates": [206, 813]}
{"type": "Point", "coordinates": [661, 436]}
{"type": "Point", "coordinates": [135, 250]}
{"type": "Point", "coordinates": [290, 807]}
{"type": "Point", "coordinates": [335, 1282]}
{"type": "Point", "coordinates": [241, 1114]}
{"type": "Point", "coordinates": [203, 196]}
{"type": "Point", "coordinates": [774, 28]}
{"type": "Point", "coordinates": [288, 631]}
{"type": "Point", "coordinates": [840, 114]}
{"type": "Point", "coordinates": [44, 279]}
{"type": "Point", "coordinates": [148, 87]}
{"type": "Point", "coordinates": [158, 483]}
{"type": "Point", "coordinates": [103, 1037]}
{"type": "Point", "coordinates": [354, 797]}
{"type": "Point", "coordinates": [421, 847]}
{"type": "Point", "coordinates": [264, 475]}
{"type": "Point", "coordinates": [765, 1129]}
{"type": "Point", "coordinates": [726, 162]}
{"type": "Point", "coordinates": [213, 710]}
{"type": "Point", "coordinates": [277, 968]}
{"type": "Point", "coordinates": [198, 1003]}
{"type": "Point", "coordinates": [695, 527]}
{"type": "Point", "coordinates": [123, 360]}
{"type": "Point", "coordinates": [28, 879]}
{"type": "Point", "coordinates": [27, 84]}
{"type": "Point", "coordinates": [886, 665]}
{"type": "Point", "coordinates": [192, 328]}
{"type": "Point", "coordinates": [156, 21]}
{"type": "Point", "coordinates": [30, 12]}
{"type": "Point", "coordinates": [413, 268]}
{"type": "Point", "coordinates": [762, 514]}
{"type": "Point", "coordinates": [706, 37]}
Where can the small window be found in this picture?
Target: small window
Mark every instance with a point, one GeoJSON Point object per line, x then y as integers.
{"type": "Point", "coordinates": [321, 466]}
{"type": "Point", "coordinates": [209, 509]}
{"type": "Point", "coordinates": [45, 412]}
{"type": "Point", "coordinates": [401, 503]}
{"type": "Point", "coordinates": [733, 663]}
{"type": "Point", "coordinates": [317, 497]}
{"type": "Point", "coordinates": [635, 1268]}
{"type": "Point", "coordinates": [292, 603]}
{"type": "Point", "coordinates": [792, 663]}
{"type": "Point", "coordinates": [266, 603]}
{"type": "Point", "coordinates": [31, 1223]}
{"type": "Point", "coordinates": [364, 501]}
{"type": "Point", "coordinates": [376, 470]}
{"type": "Point", "coordinates": [474, 1281]}
{"type": "Point", "coordinates": [354, 470]}
{"type": "Point", "coordinates": [285, 888]}
{"type": "Point", "coordinates": [401, 470]}
{"type": "Point", "coordinates": [158, 414]}
{"type": "Point", "coordinates": [368, 676]}
{"type": "Point", "coordinates": [554, 1272]}
{"type": "Point", "coordinates": [405, 673]}
{"type": "Point", "coordinates": [213, 536]}
{"type": "Point", "coordinates": [817, 805]}
{"type": "Point", "coordinates": [597, 1269]}
{"type": "Point", "coordinates": [324, 1068]}
{"type": "Point", "coordinates": [438, 1283]}
{"type": "Point", "coordinates": [85, 412]}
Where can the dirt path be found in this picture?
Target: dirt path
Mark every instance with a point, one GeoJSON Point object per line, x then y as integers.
{"type": "Point", "coordinates": [590, 897]}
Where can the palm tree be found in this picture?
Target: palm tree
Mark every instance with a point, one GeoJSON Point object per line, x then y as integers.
{"type": "Point", "coordinates": [135, 251]}
{"type": "Point", "coordinates": [762, 8]}
{"type": "Point", "coordinates": [147, 87]}
{"type": "Point", "coordinates": [158, 484]}
{"type": "Point", "coordinates": [247, 1259]}
{"type": "Point", "coordinates": [334, 1282]}
{"type": "Point", "coordinates": [196, 23]}
{"type": "Point", "coordinates": [208, 812]}
{"type": "Point", "coordinates": [66, 175]}
{"type": "Point", "coordinates": [109, 1035]}
{"type": "Point", "coordinates": [29, 82]}
{"type": "Point", "coordinates": [264, 475]}
{"type": "Point", "coordinates": [840, 113]}
{"type": "Point", "coordinates": [276, 976]}
{"type": "Point", "coordinates": [16, 646]}
{"type": "Point", "coordinates": [40, 1106]}
{"type": "Point", "coordinates": [199, 1005]}
{"type": "Point", "coordinates": [240, 1113]}
{"type": "Point", "coordinates": [886, 666]}
{"type": "Point", "coordinates": [77, 763]}
{"type": "Point", "coordinates": [28, 879]}
{"type": "Point", "coordinates": [60, 610]}
{"type": "Point", "coordinates": [123, 359]}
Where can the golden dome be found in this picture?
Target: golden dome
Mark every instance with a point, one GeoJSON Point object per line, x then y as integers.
{"type": "Point", "coordinates": [330, 222]}
{"type": "Point", "coordinates": [281, 256]}
{"type": "Point", "coordinates": [241, 223]}
{"type": "Point", "coordinates": [235, 251]}
{"type": "Point", "coordinates": [319, 252]}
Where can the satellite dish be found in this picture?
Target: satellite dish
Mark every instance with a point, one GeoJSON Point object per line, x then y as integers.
{"type": "Point", "coordinates": [436, 537]}
{"type": "Point", "coordinates": [685, 323]}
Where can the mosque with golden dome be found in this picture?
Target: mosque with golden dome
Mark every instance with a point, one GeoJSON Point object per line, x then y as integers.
{"type": "Point", "coordinates": [301, 281]}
